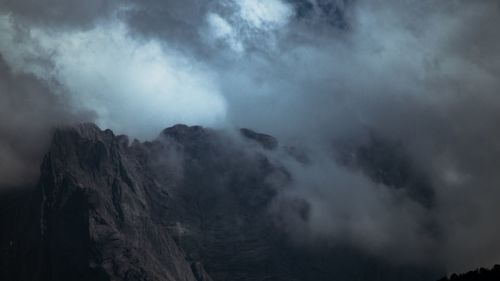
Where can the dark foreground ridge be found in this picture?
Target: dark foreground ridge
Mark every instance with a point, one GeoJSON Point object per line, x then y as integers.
{"type": "Point", "coordinates": [481, 274]}
{"type": "Point", "coordinates": [192, 205]}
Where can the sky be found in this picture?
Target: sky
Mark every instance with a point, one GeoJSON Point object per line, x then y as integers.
{"type": "Point", "coordinates": [422, 75]}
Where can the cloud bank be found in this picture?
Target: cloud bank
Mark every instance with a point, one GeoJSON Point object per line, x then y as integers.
{"type": "Point", "coordinates": [335, 76]}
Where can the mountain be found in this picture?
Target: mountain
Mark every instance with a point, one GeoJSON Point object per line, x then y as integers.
{"type": "Point", "coordinates": [193, 204]}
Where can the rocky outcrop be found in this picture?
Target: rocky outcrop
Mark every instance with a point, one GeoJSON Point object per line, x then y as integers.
{"type": "Point", "coordinates": [266, 141]}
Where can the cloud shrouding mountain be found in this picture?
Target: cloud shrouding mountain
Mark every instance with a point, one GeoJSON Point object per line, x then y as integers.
{"type": "Point", "coordinates": [423, 74]}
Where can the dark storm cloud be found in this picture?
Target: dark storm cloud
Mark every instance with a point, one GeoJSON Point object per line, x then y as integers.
{"type": "Point", "coordinates": [177, 21]}
{"type": "Point", "coordinates": [317, 73]}
{"type": "Point", "coordinates": [59, 14]}
{"type": "Point", "coordinates": [334, 13]}
{"type": "Point", "coordinates": [419, 73]}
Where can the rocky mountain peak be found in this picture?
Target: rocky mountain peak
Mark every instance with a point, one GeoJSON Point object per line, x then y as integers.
{"type": "Point", "coordinates": [192, 205]}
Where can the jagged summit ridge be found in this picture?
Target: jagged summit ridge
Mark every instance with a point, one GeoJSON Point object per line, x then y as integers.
{"type": "Point", "coordinates": [266, 141]}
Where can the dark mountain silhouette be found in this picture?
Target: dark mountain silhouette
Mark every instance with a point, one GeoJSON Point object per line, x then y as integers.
{"type": "Point", "coordinates": [481, 274]}
{"type": "Point", "coordinates": [191, 205]}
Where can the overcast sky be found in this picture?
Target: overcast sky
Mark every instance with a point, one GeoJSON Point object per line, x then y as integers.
{"type": "Point", "coordinates": [425, 74]}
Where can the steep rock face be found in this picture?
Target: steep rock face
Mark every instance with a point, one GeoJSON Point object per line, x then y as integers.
{"type": "Point", "coordinates": [97, 213]}
{"type": "Point", "coordinates": [191, 205]}
{"type": "Point", "coordinates": [96, 220]}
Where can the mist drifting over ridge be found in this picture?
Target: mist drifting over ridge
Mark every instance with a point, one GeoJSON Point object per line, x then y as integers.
{"type": "Point", "coordinates": [334, 77]}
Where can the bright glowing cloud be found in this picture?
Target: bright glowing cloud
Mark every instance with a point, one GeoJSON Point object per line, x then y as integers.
{"type": "Point", "coordinates": [129, 84]}
{"type": "Point", "coordinates": [249, 22]}
{"type": "Point", "coordinates": [265, 14]}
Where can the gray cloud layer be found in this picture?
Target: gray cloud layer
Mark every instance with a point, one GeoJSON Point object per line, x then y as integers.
{"type": "Point", "coordinates": [314, 72]}
{"type": "Point", "coordinates": [28, 110]}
